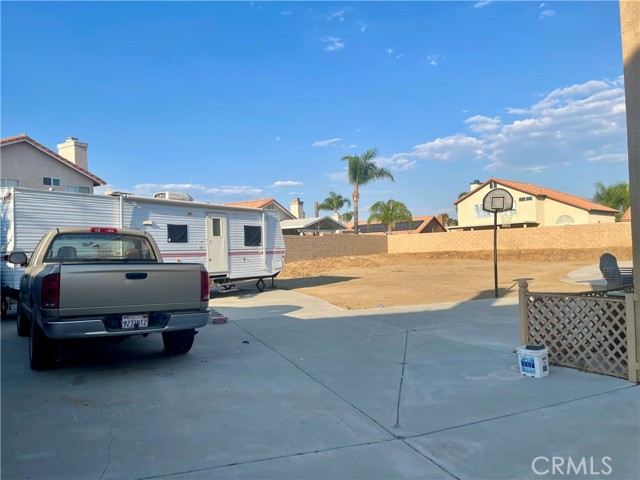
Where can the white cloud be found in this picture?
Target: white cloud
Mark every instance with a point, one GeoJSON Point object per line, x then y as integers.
{"type": "Point", "coordinates": [339, 176]}
{"type": "Point", "coordinates": [278, 139]}
{"type": "Point", "coordinates": [148, 189]}
{"type": "Point", "coordinates": [571, 124]}
{"type": "Point", "coordinates": [286, 183]}
{"type": "Point", "coordinates": [332, 44]}
{"type": "Point", "coordinates": [389, 51]}
{"type": "Point", "coordinates": [326, 143]}
{"type": "Point", "coordinates": [362, 26]}
{"type": "Point", "coordinates": [397, 163]}
{"type": "Point", "coordinates": [482, 124]}
{"type": "Point", "coordinates": [432, 59]}
{"type": "Point", "coordinates": [286, 13]}
{"type": "Point", "coordinates": [578, 123]}
{"type": "Point", "coordinates": [546, 12]}
{"type": "Point", "coordinates": [482, 3]}
{"type": "Point", "coordinates": [610, 158]}
{"type": "Point", "coordinates": [337, 14]}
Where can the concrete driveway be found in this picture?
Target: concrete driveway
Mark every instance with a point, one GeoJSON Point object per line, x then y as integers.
{"type": "Point", "coordinates": [292, 387]}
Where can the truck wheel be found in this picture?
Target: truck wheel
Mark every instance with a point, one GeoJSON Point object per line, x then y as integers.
{"type": "Point", "coordinates": [178, 343]}
{"type": "Point", "coordinates": [42, 350]}
{"type": "Point", "coordinates": [22, 323]}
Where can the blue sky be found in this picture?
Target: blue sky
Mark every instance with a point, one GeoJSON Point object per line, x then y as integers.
{"type": "Point", "coordinates": [233, 101]}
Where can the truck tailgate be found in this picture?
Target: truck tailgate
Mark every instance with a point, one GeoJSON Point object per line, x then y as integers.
{"type": "Point", "coordinates": [98, 289]}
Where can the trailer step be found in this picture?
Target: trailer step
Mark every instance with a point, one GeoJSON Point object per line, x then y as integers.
{"type": "Point", "coordinates": [226, 288]}
{"type": "Point", "coordinates": [216, 317]}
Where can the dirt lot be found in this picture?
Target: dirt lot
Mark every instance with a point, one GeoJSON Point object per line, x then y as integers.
{"type": "Point", "coordinates": [421, 278]}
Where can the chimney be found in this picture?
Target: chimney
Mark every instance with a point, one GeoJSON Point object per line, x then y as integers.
{"type": "Point", "coordinates": [74, 151]}
{"type": "Point", "coordinates": [296, 208]}
{"type": "Point", "coordinates": [475, 184]}
{"type": "Point", "coordinates": [316, 209]}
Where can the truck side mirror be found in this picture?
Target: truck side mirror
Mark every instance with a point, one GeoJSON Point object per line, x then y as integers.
{"type": "Point", "coordinates": [19, 258]}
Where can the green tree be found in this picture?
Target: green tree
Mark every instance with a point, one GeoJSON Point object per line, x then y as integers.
{"type": "Point", "coordinates": [347, 217]}
{"type": "Point", "coordinates": [613, 196]}
{"type": "Point", "coordinates": [448, 221]}
{"type": "Point", "coordinates": [334, 203]}
{"type": "Point", "coordinates": [363, 170]}
{"type": "Point", "coordinates": [389, 213]}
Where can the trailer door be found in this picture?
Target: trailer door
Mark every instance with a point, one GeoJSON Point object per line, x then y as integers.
{"type": "Point", "coordinates": [217, 255]}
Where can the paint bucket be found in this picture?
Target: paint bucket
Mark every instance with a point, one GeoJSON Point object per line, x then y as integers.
{"type": "Point", "coordinates": [533, 360]}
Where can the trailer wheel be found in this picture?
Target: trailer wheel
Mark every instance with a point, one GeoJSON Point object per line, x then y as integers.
{"type": "Point", "coordinates": [178, 343]}
{"type": "Point", "coordinates": [42, 350]}
{"type": "Point", "coordinates": [22, 323]}
{"type": "Point", "coordinates": [5, 306]}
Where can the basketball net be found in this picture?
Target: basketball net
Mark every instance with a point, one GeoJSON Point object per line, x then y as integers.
{"type": "Point", "coordinates": [506, 217]}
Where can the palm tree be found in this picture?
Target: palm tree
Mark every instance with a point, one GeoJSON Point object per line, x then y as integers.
{"type": "Point", "coordinates": [448, 221]}
{"type": "Point", "coordinates": [363, 170]}
{"type": "Point", "coordinates": [334, 202]}
{"type": "Point", "coordinates": [613, 196]}
{"type": "Point", "coordinates": [389, 213]}
{"type": "Point", "coordinates": [347, 217]}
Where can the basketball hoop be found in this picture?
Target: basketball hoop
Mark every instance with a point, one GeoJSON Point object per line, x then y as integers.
{"type": "Point", "coordinates": [498, 201]}
{"type": "Point", "coordinates": [506, 218]}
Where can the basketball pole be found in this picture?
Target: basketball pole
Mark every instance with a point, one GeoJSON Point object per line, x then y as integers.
{"type": "Point", "coordinates": [495, 251]}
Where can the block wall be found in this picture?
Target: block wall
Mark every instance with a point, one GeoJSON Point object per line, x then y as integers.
{"type": "Point", "coordinates": [309, 247]}
{"type": "Point", "coordinates": [562, 237]}
{"type": "Point", "coordinates": [604, 235]}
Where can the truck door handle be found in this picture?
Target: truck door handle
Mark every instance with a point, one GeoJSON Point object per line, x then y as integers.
{"type": "Point", "coordinates": [136, 276]}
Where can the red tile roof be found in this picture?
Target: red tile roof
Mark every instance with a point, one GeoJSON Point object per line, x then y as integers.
{"type": "Point", "coordinates": [254, 203]}
{"type": "Point", "coordinates": [538, 191]}
{"type": "Point", "coordinates": [626, 217]}
{"type": "Point", "coordinates": [28, 139]}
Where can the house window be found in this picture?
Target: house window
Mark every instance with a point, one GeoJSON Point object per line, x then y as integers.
{"type": "Point", "coordinates": [77, 189]}
{"type": "Point", "coordinates": [525, 199]}
{"type": "Point", "coordinates": [565, 220]}
{"type": "Point", "coordinates": [177, 234]}
{"type": "Point", "coordinates": [480, 213]}
{"type": "Point", "coordinates": [252, 236]}
{"type": "Point", "coordinates": [8, 182]}
{"type": "Point", "coordinates": [51, 182]}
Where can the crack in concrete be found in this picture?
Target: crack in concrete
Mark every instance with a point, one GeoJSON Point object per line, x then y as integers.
{"type": "Point", "coordinates": [110, 444]}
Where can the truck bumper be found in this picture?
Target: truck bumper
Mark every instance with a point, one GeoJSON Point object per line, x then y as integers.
{"type": "Point", "coordinates": [93, 327]}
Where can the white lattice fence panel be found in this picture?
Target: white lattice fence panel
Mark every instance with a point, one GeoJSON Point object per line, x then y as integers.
{"type": "Point", "coordinates": [582, 331]}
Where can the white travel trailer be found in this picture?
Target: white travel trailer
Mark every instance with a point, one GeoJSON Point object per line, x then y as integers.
{"type": "Point", "coordinates": [233, 243]}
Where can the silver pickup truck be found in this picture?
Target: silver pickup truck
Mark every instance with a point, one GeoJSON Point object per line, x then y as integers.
{"type": "Point", "coordinates": [87, 282]}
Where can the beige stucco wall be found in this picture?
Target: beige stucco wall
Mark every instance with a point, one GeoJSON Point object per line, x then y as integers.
{"type": "Point", "coordinates": [546, 212]}
{"type": "Point", "coordinates": [24, 162]}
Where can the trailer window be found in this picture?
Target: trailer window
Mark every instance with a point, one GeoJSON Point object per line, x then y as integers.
{"type": "Point", "coordinates": [252, 236]}
{"type": "Point", "coordinates": [177, 234]}
{"type": "Point", "coordinates": [216, 230]}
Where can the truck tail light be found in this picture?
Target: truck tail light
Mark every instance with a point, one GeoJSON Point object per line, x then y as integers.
{"type": "Point", "coordinates": [205, 288]}
{"type": "Point", "coordinates": [50, 293]}
{"type": "Point", "coordinates": [103, 230]}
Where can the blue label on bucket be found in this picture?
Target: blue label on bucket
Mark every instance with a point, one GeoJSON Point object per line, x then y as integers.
{"type": "Point", "coordinates": [528, 365]}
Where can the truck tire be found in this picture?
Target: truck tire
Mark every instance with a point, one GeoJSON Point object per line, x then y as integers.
{"type": "Point", "coordinates": [42, 350]}
{"type": "Point", "coordinates": [22, 323]}
{"type": "Point", "coordinates": [178, 343]}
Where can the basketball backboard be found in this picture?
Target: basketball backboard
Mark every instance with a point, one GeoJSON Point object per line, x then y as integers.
{"type": "Point", "coordinates": [497, 200]}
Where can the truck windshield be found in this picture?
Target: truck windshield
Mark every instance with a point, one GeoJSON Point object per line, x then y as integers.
{"type": "Point", "coordinates": [99, 247]}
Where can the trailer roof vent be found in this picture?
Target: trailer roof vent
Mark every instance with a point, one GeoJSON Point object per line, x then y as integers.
{"type": "Point", "coordinates": [185, 197]}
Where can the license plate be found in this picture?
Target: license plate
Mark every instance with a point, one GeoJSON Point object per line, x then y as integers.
{"type": "Point", "coordinates": [135, 321]}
